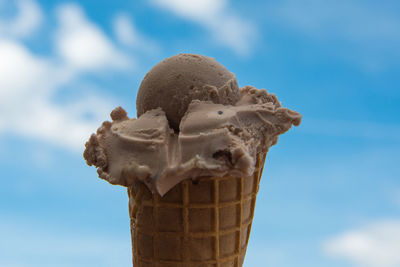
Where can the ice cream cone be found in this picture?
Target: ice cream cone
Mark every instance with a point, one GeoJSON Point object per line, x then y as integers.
{"type": "Point", "coordinates": [203, 223]}
{"type": "Point", "coordinates": [191, 161]}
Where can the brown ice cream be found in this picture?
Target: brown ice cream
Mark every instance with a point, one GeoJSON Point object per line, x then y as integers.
{"type": "Point", "coordinates": [174, 82]}
{"type": "Point", "coordinates": [194, 124]}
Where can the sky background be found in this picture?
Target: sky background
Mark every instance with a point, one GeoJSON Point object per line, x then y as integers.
{"type": "Point", "coordinates": [330, 192]}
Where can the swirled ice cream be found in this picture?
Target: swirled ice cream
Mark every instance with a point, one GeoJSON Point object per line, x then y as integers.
{"type": "Point", "coordinates": [193, 122]}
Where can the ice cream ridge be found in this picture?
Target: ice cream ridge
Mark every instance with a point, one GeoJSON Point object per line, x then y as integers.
{"type": "Point", "coordinates": [191, 161]}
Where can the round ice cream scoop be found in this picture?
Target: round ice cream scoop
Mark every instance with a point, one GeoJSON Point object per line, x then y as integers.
{"type": "Point", "coordinates": [174, 82]}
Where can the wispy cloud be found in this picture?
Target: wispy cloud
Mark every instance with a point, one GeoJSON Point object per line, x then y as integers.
{"type": "Point", "coordinates": [82, 44]}
{"type": "Point", "coordinates": [376, 245]}
{"type": "Point", "coordinates": [128, 35]}
{"type": "Point", "coordinates": [27, 20]}
{"type": "Point", "coordinates": [26, 103]}
{"type": "Point", "coordinates": [226, 28]}
{"type": "Point", "coordinates": [29, 82]}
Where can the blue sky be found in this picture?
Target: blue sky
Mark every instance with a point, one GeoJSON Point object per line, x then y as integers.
{"type": "Point", "coordinates": [330, 192]}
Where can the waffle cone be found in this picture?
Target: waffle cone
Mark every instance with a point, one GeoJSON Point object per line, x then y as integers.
{"type": "Point", "coordinates": [203, 224]}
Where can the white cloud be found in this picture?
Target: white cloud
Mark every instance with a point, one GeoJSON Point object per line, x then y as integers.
{"type": "Point", "coordinates": [194, 9]}
{"type": "Point", "coordinates": [26, 108]}
{"type": "Point", "coordinates": [128, 34]}
{"type": "Point", "coordinates": [29, 83]}
{"type": "Point", "coordinates": [27, 20]}
{"type": "Point", "coordinates": [82, 44]}
{"type": "Point", "coordinates": [376, 245]}
{"type": "Point", "coordinates": [17, 61]}
{"type": "Point", "coordinates": [226, 28]}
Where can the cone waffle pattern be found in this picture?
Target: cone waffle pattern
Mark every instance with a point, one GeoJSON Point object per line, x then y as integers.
{"type": "Point", "coordinates": [204, 224]}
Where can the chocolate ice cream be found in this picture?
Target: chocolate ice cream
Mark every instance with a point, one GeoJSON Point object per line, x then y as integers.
{"type": "Point", "coordinates": [174, 82]}
{"type": "Point", "coordinates": [194, 124]}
